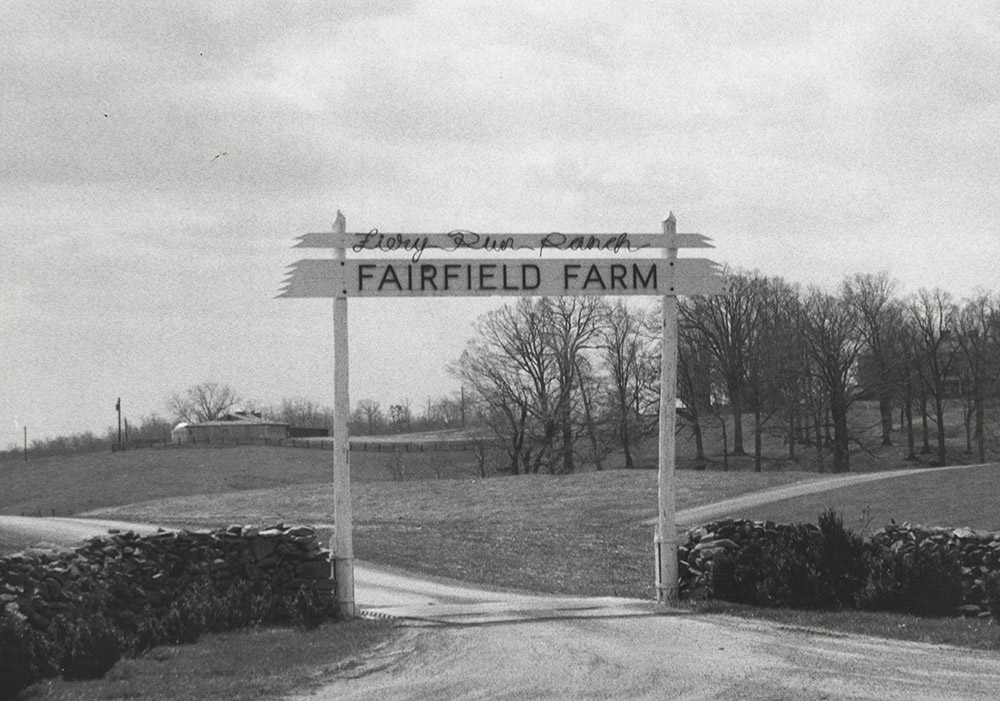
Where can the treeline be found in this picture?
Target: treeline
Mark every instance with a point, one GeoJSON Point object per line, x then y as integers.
{"type": "Point", "coordinates": [149, 429]}
{"type": "Point", "coordinates": [563, 379]}
{"type": "Point", "coordinates": [210, 401]}
{"type": "Point", "coordinates": [371, 418]}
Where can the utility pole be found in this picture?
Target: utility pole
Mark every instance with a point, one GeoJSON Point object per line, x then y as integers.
{"type": "Point", "coordinates": [26, 444]}
{"type": "Point", "coordinates": [118, 408]}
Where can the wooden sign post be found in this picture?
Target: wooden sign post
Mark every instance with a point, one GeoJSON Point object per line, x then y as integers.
{"type": "Point", "coordinates": [424, 272]}
{"type": "Point", "coordinates": [342, 542]}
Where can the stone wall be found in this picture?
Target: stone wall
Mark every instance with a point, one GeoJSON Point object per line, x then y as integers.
{"type": "Point", "coordinates": [143, 572]}
{"type": "Point", "coordinates": [978, 552]}
{"type": "Point", "coordinates": [978, 555]}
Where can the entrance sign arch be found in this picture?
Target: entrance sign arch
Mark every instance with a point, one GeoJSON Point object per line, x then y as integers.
{"type": "Point", "coordinates": [430, 270]}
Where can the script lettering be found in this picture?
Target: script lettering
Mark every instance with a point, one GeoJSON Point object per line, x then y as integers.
{"type": "Point", "coordinates": [375, 241]}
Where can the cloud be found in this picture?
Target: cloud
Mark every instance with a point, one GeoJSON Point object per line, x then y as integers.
{"type": "Point", "coordinates": [809, 141]}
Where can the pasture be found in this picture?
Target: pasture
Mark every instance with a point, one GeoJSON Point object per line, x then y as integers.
{"type": "Point", "coordinates": [573, 534]}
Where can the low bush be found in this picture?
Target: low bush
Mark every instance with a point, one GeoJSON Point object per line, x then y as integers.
{"type": "Point", "coordinates": [17, 670]}
{"type": "Point", "coordinates": [805, 566]}
{"type": "Point", "coordinates": [841, 558]}
{"type": "Point", "coordinates": [779, 570]}
{"type": "Point", "coordinates": [800, 566]}
{"type": "Point", "coordinates": [90, 645]}
{"type": "Point", "coordinates": [991, 589]}
{"type": "Point", "coordinates": [309, 608]}
{"type": "Point", "coordinates": [909, 578]}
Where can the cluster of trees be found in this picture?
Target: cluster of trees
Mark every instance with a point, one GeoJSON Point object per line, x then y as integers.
{"type": "Point", "coordinates": [546, 372]}
{"type": "Point", "coordinates": [369, 418]}
{"type": "Point", "coordinates": [561, 378]}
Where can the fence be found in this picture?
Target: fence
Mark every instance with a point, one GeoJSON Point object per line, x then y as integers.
{"type": "Point", "coordinates": [321, 443]}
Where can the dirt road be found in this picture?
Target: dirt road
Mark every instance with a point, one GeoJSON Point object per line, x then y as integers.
{"type": "Point", "coordinates": [457, 642]}
{"type": "Point", "coordinates": [719, 509]}
{"type": "Point", "coordinates": [657, 657]}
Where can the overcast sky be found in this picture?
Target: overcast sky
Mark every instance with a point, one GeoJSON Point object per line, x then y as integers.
{"type": "Point", "coordinates": [158, 159]}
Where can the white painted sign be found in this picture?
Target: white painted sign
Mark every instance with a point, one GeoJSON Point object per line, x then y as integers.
{"type": "Point", "coordinates": [462, 240]}
{"type": "Point", "coordinates": [479, 277]}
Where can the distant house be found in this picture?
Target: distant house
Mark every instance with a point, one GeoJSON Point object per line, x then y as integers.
{"type": "Point", "coordinates": [238, 427]}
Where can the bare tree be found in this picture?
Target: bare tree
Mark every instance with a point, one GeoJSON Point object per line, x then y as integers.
{"type": "Point", "coordinates": [629, 353]}
{"type": "Point", "coordinates": [367, 417]}
{"type": "Point", "coordinates": [978, 336]}
{"type": "Point", "coordinates": [694, 388]}
{"type": "Point", "coordinates": [832, 340]}
{"type": "Point", "coordinates": [400, 416]}
{"type": "Point", "coordinates": [523, 369]}
{"type": "Point", "coordinates": [883, 363]}
{"type": "Point", "coordinates": [205, 402]}
{"type": "Point", "coordinates": [571, 326]}
{"type": "Point", "coordinates": [302, 412]}
{"type": "Point", "coordinates": [772, 354]}
{"type": "Point", "coordinates": [510, 376]}
{"type": "Point", "coordinates": [723, 324]}
{"type": "Point", "coordinates": [934, 319]}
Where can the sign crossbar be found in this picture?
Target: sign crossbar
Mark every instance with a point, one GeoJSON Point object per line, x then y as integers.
{"type": "Point", "coordinates": [375, 241]}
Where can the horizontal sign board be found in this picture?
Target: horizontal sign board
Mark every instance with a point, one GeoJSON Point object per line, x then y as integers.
{"type": "Point", "coordinates": [459, 240]}
{"type": "Point", "coordinates": [478, 277]}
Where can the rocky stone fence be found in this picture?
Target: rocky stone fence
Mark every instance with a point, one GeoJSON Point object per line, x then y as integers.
{"type": "Point", "coordinates": [139, 575]}
{"type": "Point", "coordinates": [978, 555]}
{"type": "Point", "coordinates": [977, 552]}
{"type": "Point", "coordinates": [702, 544]}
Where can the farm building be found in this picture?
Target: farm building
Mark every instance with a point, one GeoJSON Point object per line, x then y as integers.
{"type": "Point", "coordinates": [241, 427]}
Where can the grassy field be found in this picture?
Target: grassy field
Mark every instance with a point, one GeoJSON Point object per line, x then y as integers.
{"type": "Point", "coordinates": [66, 485]}
{"type": "Point", "coordinates": [968, 497]}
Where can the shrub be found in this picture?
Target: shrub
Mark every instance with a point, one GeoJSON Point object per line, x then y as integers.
{"type": "Point", "coordinates": [799, 566]}
{"type": "Point", "coordinates": [15, 651]}
{"type": "Point", "coordinates": [188, 616]}
{"type": "Point", "coordinates": [909, 578]}
{"type": "Point", "coordinates": [309, 608]}
{"type": "Point", "coordinates": [90, 645]}
{"type": "Point", "coordinates": [244, 605]}
{"type": "Point", "coordinates": [991, 590]}
{"type": "Point", "coordinates": [841, 558]}
{"type": "Point", "coordinates": [781, 569]}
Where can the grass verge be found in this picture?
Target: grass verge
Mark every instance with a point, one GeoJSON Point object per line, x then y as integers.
{"type": "Point", "coordinates": [265, 663]}
{"type": "Point", "coordinates": [977, 633]}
